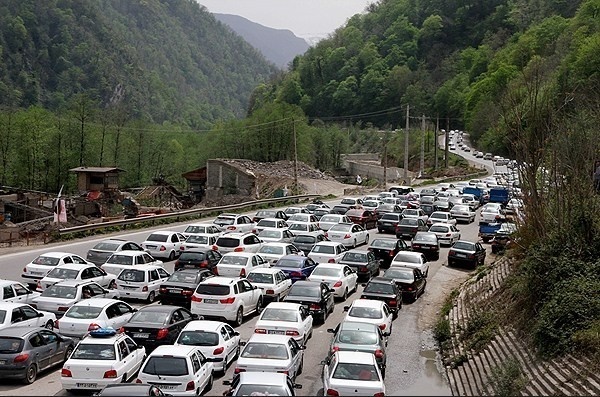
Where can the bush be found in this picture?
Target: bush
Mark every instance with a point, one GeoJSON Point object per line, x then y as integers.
{"type": "Point", "coordinates": [507, 379]}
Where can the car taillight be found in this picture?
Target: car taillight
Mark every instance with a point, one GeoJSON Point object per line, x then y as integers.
{"type": "Point", "coordinates": [335, 348]}
{"type": "Point", "coordinates": [93, 326]}
{"type": "Point", "coordinates": [296, 274]}
{"type": "Point", "coordinates": [65, 373]}
{"type": "Point", "coordinates": [348, 236]}
{"type": "Point", "coordinates": [56, 324]}
{"type": "Point", "coordinates": [215, 248]}
{"type": "Point", "coordinates": [451, 252]}
{"type": "Point", "coordinates": [39, 285]}
{"type": "Point", "coordinates": [448, 234]}
{"type": "Point", "coordinates": [292, 333]}
{"type": "Point", "coordinates": [196, 299]}
{"type": "Point", "coordinates": [121, 330]}
{"type": "Point", "coordinates": [382, 326]}
{"type": "Point", "coordinates": [260, 331]}
{"type": "Point", "coordinates": [190, 386]}
{"type": "Point", "coordinates": [338, 284]}
{"type": "Point", "coordinates": [378, 353]}
{"type": "Point", "coordinates": [228, 301]}
{"type": "Point", "coordinates": [238, 370]}
{"type": "Point", "coordinates": [24, 270]}
{"type": "Point", "coordinates": [471, 256]}
{"type": "Point", "coordinates": [204, 264]}
{"type": "Point", "coordinates": [21, 358]}
{"type": "Point", "coordinates": [110, 374]}
{"type": "Point", "coordinates": [392, 302]}
{"type": "Point", "coordinates": [138, 380]}
{"type": "Point", "coordinates": [243, 272]}
{"type": "Point", "coordinates": [254, 231]}
{"type": "Point", "coordinates": [270, 292]}
{"type": "Point", "coordinates": [176, 263]}
{"type": "Point", "coordinates": [391, 253]}
{"type": "Point", "coordinates": [238, 249]}
{"type": "Point", "coordinates": [284, 372]}
{"type": "Point", "coordinates": [62, 308]}
{"type": "Point", "coordinates": [363, 269]}
{"type": "Point", "coordinates": [380, 394]}
{"type": "Point", "coordinates": [231, 228]}
{"type": "Point", "coordinates": [370, 249]}
{"type": "Point", "coordinates": [215, 271]}
{"type": "Point", "coordinates": [145, 288]}
{"type": "Point", "coordinates": [409, 288]}
{"type": "Point", "coordinates": [331, 260]}
{"type": "Point", "coordinates": [315, 306]}
{"type": "Point", "coordinates": [182, 248]}
{"type": "Point", "coordinates": [332, 393]}
{"type": "Point", "coordinates": [162, 290]}
{"type": "Point", "coordinates": [326, 235]}
{"type": "Point", "coordinates": [162, 333]}
{"type": "Point", "coordinates": [163, 248]}
{"type": "Point", "coordinates": [187, 292]}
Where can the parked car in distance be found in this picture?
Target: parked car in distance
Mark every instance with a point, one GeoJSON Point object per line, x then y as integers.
{"type": "Point", "coordinates": [295, 210]}
{"type": "Point", "coordinates": [410, 281]}
{"type": "Point", "coordinates": [441, 217]}
{"type": "Point", "coordinates": [470, 254]}
{"type": "Point", "coordinates": [141, 282]}
{"type": "Point", "coordinates": [272, 252]}
{"type": "Point", "coordinates": [40, 266]}
{"type": "Point", "coordinates": [373, 311]}
{"type": "Point", "coordinates": [276, 236]}
{"type": "Point", "coordinates": [198, 258]}
{"type": "Point", "coordinates": [319, 212]}
{"type": "Point", "coordinates": [180, 286]}
{"type": "Point", "coordinates": [329, 220]}
{"type": "Point", "coordinates": [269, 223]}
{"type": "Point", "coordinates": [164, 244]}
{"type": "Point", "coordinates": [90, 314]}
{"type": "Point", "coordinates": [273, 283]}
{"type": "Point", "coordinates": [463, 213]}
{"type": "Point", "coordinates": [341, 278]}
{"type": "Point", "coordinates": [364, 263]}
{"type": "Point", "coordinates": [305, 242]}
{"type": "Point", "coordinates": [261, 214]}
{"type": "Point", "coordinates": [27, 351]}
{"type": "Point", "coordinates": [349, 234]}
{"type": "Point", "coordinates": [234, 223]}
{"type": "Point", "coordinates": [385, 290]}
{"type": "Point", "coordinates": [59, 297]}
{"type": "Point", "coordinates": [408, 227]}
{"type": "Point", "coordinates": [285, 318]}
{"type": "Point", "coordinates": [367, 218]}
{"type": "Point", "coordinates": [256, 383]}
{"type": "Point", "coordinates": [446, 234]}
{"type": "Point", "coordinates": [385, 249]}
{"type": "Point", "coordinates": [201, 229]}
{"type": "Point", "coordinates": [305, 228]}
{"type": "Point", "coordinates": [296, 267]}
{"type": "Point", "coordinates": [427, 243]}
{"type": "Point", "coordinates": [200, 241]}
{"type": "Point", "coordinates": [77, 271]}
{"type": "Point", "coordinates": [411, 259]}
{"type": "Point", "coordinates": [24, 315]}
{"type": "Point", "coordinates": [127, 259]}
{"type": "Point", "coordinates": [15, 292]}
{"type": "Point", "coordinates": [239, 264]}
{"type": "Point", "coordinates": [238, 242]}
{"type": "Point", "coordinates": [315, 295]}
{"type": "Point", "coordinates": [105, 248]}
{"type": "Point", "coordinates": [315, 205]}
{"type": "Point", "coordinates": [341, 209]}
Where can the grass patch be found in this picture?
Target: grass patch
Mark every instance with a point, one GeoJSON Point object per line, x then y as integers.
{"type": "Point", "coordinates": [507, 379]}
{"type": "Point", "coordinates": [480, 329]}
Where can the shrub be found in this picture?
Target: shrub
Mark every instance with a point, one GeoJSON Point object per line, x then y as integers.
{"type": "Point", "coordinates": [507, 379]}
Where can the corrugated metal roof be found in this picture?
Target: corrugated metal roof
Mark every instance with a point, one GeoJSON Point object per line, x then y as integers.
{"type": "Point", "coordinates": [96, 169]}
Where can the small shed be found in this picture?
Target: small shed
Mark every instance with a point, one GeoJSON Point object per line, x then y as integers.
{"type": "Point", "coordinates": [103, 179]}
{"type": "Point", "coordinates": [196, 182]}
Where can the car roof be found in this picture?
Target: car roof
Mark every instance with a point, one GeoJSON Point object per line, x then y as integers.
{"type": "Point", "coordinates": [236, 234]}
{"type": "Point", "coordinates": [307, 283]}
{"type": "Point", "coordinates": [269, 338]}
{"type": "Point", "coordinates": [382, 280]}
{"type": "Point", "coordinates": [104, 340]}
{"type": "Point", "coordinates": [163, 232]}
{"type": "Point", "coordinates": [411, 253]}
{"type": "Point", "coordinates": [330, 243]}
{"type": "Point", "coordinates": [330, 265]}
{"type": "Point", "coordinates": [56, 254]}
{"type": "Point", "coordinates": [120, 240]}
{"type": "Point", "coordinates": [173, 350]}
{"type": "Point", "coordinates": [144, 267]}
{"type": "Point", "coordinates": [262, 378]}
{"type": "Point", "coordinates": [203, 325]}
{"type": "Point", "coordinates": [284, 305]}
{"type": "Point", "coordinates": [11, 305]}
{"type": "Point", "coordinates": [355, 357]}
{"type": "Point", "coordinates": [73, 283]}
{"type": "Point", "coordinates": [242, 254]}
{"type": "Point", "coordinates": [275, 244]}
{"type": "Point", "coordinates": [358, 325]}
{"type": "Point", "coordinates": [275, 219]}
{"type": "Point", "coordinates": [220, 280]}
{"type": "Point", "coordinates": [368, 302]}
{"type": "Point", "coordinates": [74, 266]}
{"type": "Point", "coordinates": [295, 257]}
{"type": "Point", "coordinates": [96, 302]}
{"type": "Point", "coordinates": [129, 252]}
{"type": "Point", "coordinates": [201, 224]}
{"type": "Point", "coordinates": [7, 282]}
{"type": "Point", "coordinates": [446, 225]}
{"type": "Point", "coordinates": [267, 270]}
{"type": "Point", "coordinates": [18, 331]}
{"type": "Point", "coordinates": [159, 308]}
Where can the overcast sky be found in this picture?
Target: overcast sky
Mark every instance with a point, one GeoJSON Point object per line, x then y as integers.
{"type": "Point", "coordinates": [306, 18]}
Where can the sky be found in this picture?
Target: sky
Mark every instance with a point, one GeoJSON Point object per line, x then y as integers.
{"type": "Point", "coordinates": [305, 18]}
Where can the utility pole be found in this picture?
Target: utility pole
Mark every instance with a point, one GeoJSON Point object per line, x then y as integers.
{"type": "Point", "coordinates": [435, 148]}
{"type": "Point", "coordinates": [447, 141]}
{"type": "Point", "coordinates": [422, 164]}
{"type": "Point", "coordinates": [385, 141]}
{"type": "Point", "coordinates": [406, 144]}
{"type": "Point", "coordinates": [295, 158]}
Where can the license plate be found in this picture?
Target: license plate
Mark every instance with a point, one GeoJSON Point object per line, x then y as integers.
{"type": "Point", "coordinates": [2, 362]}
{"type": "Point", "coordinates": [151, 247]}
{"type": "Point", "coordinates": [175, 290]}
{"type": "Point", "coordinates": [141, 335]}
{"type": "Point", "coordinates": [213, 301]}
{"type": "Point", "coordinates": [87, 385]}
{"type": "Point", "coordinates": [167, 387]}
{"type": "Point", "coordinates": [272, 331]}
{"type": "Point", "coordinates": [461, 255]}
{"type": "Point", "coordinates": [126, 287]}
{"type": "Point", "coordinates": [36, 273]}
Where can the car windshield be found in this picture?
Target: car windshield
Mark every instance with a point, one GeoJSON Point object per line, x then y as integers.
{"type": "Point", "coordinates": [269, 233]}
{"type": "Point", "coordinates": [197, 239]}
{"type": "Point", "coordinates": [166, 366]}
{"type": "Point", "coordinates": [349, 201]}
{"type": "Point", "coordinates": [261, 390]}
{"type": "Point", "coordinates": [464, 245]}
{"type": "Point", "coordinates": [327, 271]}
{"type": "Point", "coordinates": [365, 312]}
{"type": "Point", "coordinates": [379, 288]}
{"type": "Point", "coordinates": [460, 208]}
{"type": "Point", "coordinates": [399, 274]}
{"type": "Point", "coordinates": [270, 249]}
{"type": "Point", "coordinates": [330, 218]}
{"type": "Point", "coordinates": [212, 289]}
{"type": "Point", "coordinates": [233, 260]}
{"type": "Point", "coordinates": [10, 345]}
{"type": "Point", "coordinates": [357, 337]}
{"type": "Point", "coordinates": [323, 249]}
{"type": "Point", "coordinates": [45, 260]}
{"type": "Point", "coordinates": [288, 263]}
{"type": "Point", "coordinates": [305, 290]}
{"type": "Point", "coordinates": [340, 227]}
{"type": "Point", "coordinates": [2, 316]}
{"type": "Point", "coordinates": [194, 229]}
{"type": "Point", "coordinates": [228, 242]}
{"type": "Point", "coordinates": [275, 314]}
{"type": "Point", "coordinates": [83, 312]}
{"type": "Point", "coordinates": [274, 351]}
{"type": "Point", "coordinates": [438, 216]}
{"type": "Point", "coordinates": [198, 338]}
{"type": "Point", "coordinates": [427, 237]}
{"type": "Point", "coordinates": [390, 217]}
{"type": "Point", "coordinates": [260, 278]}
{"type": "Point", "coordinates": [119, 259]}
{"type": "Point", "coordinates": [192, 256]}
{"type": "Point", "coordinates": [224, 221]}
{"type": "Point", "coordinates": [158, 237]}
{"type": "Point", "coordinates": [408, 212]}
{"type": "Point", "coordinates": [384, 243]}
{"type": "Point", "coordinates": [299, 226]}
{"type": "Point", "coordinates": [106, 246]}
{"type": "Point", "coordinates": [63, 273]}
{"type": "Point", "coordinates": [60, 291]}
{"type": "Point", "coordinates": [439, 229]}
{"type": "Point", "coordinates": [94, 351]}
{"type": "Point", "coordinates": [267, 223]}
{"type": "Point", "coordinates": [355, 257]}
{"type": "Point", "coordinates": [183, 277]}
{"type": "Point", "coordinates": [150, 317]}
{"type": "Point", "coordinates": [132, 275]}
{"type": "Point", "coordinates": [305, 239]}
{"type": "Point", "coordinates": [407, 257]}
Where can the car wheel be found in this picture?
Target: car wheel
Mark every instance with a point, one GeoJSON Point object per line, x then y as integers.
{"type": "Point", "coordinates": [367, 239]}
{"type": "Point", "coordinates": [171, 256]}
{"type": "Point", "coordinates": [383, 372]}
{"type": "Point", "coordinates": [300, 368]}
{"type": "Point", "coordinates": [209, 384]}
{"type": "Point", "coordinates": [258, 306]}
{"type": "Point", "coordinates": [49, 325]}
{"type": "Point", "coordinates": [345, 296]}
{"type": "Point", "coordinates": [30, 374]}
{"type": "Point", "coordinates": [354, 244]}
{"type": "Point", "coordinates": [68, 353]}
{"type": "Point", "coordinates": [239, 317]}
{"type": "Point", "coordinates": [151, 297]}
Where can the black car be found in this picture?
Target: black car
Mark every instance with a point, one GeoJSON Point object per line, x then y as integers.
{"type": "Point", "coordinates": [130, 389]}
{"type": "Point", "coordinates": [441, 205]}
{"type": "Point", "coordinates": [156, 325]}
{"type": "Point", "coordinates": [315, 295]}
{"type": "Point", "coordinates": [305, 242]}
{"type": "Point", "coordinates": [261, 214]}
{"type": "Point", "coordinates": [428, 209]}
{"type": "Point", "coordinates": [197, 258]}
{"type": "Point", "coordinates": [385, 249]}
{"type": "Point", "coordinates": [341, 209]}
{"type": "Point", "coordinates": [25, 351]}
{"type": "Point", "coordinates": [426, 243]}
{"type": "Point", "coordinates": [316, 205]}
{"type": "Point", "coordinates": [319, 212]}
{"type": "Point", "coordinates": [387, 223]}
{"type": "Point", "coordinates": [411, 281]}
{"type": "Point", "coordinates": [364, 263]}
{"type": "Point", "coordinates": [466, 253]}
{"type": "Point", "coordinates": [408, 227]}
{"type": "Point", "coordinates": [388, 209]}
{"type": "Point", "coordinates": [386, 290]}
{"type": "Point", "coordinates": [180, 286]}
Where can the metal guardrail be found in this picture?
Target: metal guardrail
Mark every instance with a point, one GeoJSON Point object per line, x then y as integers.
{"type": "Point", "coordinates": [178, 214]}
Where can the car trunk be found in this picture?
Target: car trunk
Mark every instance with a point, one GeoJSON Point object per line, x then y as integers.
{"type": "Point", "coordinates": [143, 333]}
{"type": "Point", "coordinates": [391, 300]}
{"type": "Point", "coordinates": [275, 327]}
{"type": "Point", "coordinates": [347, 387]}
{"type": "Point", "coordinates": [177, 290]}
{"type": "Point", "coordinates": [88, 369]}
{"type": "Point", "coordinates": [55, 305]}
{"type": "Point", "coordinates": [230, 270]}
{"type": "Point", "coordinates": [76, 327]}
{"type": "Point", "coordinates": [98, 256]}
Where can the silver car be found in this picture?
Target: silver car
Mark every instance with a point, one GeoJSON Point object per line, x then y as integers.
{"type": "Point", "coordinates": [271, 353]}
{"type": "Point", "coordinates": [58, 298]}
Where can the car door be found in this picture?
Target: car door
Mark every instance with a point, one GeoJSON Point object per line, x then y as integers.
{"type": "Point", "coordinates": [41, 351]}
{"type": "Point", "coordinates": [480, 251]}
{"type": "Point", "coordinates": [247, 295]}
{"type": "Point", "coordinates": [227, 342]}
{"type": "Point", "coordinates": [30, 317]}
{"type": "Point", "coordinates": [387, 317]}
{"type": "Point", "coordinates": [199, 366]}
{"type": "Point", "coordinates": [296, 353]}
{"type": "Point", "coordinates": [351, 278]}
{"type": "Point", "coordinates": [326, 297]}
{"type": "Point", "coordinates": [8, 294]}
{"type": "Point", "coordinates": [52, 346]}
{"type": "Point", "coordinates": [97, 291]}
{"type": "Point", "coordinates": [125, 313]}
{"type": "Point", "coordinates": [100, 276]}
{"type": "Point", "coordinates": [282, 284]}
{"type": "Point", "coordinates": [136, 356]}
{"type": "Point", "coordinates": [306, 320]}
{"type": "Point", "coordinates": [234, 340]}
{"type": "Point", "coordinates": [163, 275]}
{"type": "Point", "coordinates": [77, 259]}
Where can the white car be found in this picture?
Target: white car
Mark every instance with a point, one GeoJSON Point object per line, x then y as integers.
{"type": "Point", "coordinates": [276, 236]}
{"type": "Point", "coordinates": [105, 248]}
{"type": "Point", "coordinates": [238, 242]}
{"type": "Point", "coordinates": [271, 353]}
{"type": "Point", "coordinates": [491, 214]}
{"type": "Point", "coordinates": [349, 234]}
{"type": "Point", "coordinates": [304, 228]}
{"type": "Point", "coordinates": [341, 278]}
{"type": "Point", "coordinates": [273, 283]}
{"type": "Point", "coordinates": [446, 234]}
{"type": "Point", "coordinates": [234, 223]}
{"type": "Point", "coordinates": [348, 373]}
{"type": "Point", "coordinates": [23, 315]}
{"type": "Point", "coordinates": [370, 311]}
{"type": "Point", "coordinates": [178, 370]}
{"type": "Point", "coordinates": [226, 298]}
{"type": "Point", "coordinates": [463, 212]}
{"type": "Point", "coordinates": [127, 259]}
{"type": "Point", "coordinates": [164, 244]}
{"type": "Point", "coordinates": [90, 314]}
{"type": "Point", "coordinates": [329, 220]}
{"type": "Point", "coordinates": [59, 297]}
{"type": "Point", "coordinates": [239, 264]}
{"type": "Point", "coordinates": [200, 241]}
{"type": "Point", "coordinates": [270, 223]}
{"type": "Point", "coordinates": [77, 271]}
{"type": "Point", "coordinates": [415, 260]}
{"type": "Point", "coordinates": [471, 201]}
{"type": "Point", "coordinates": [415, 213]}
{"type": "Point", "coordinates": [201, 228]}
{"type": "Point", "coordinates": [102, 358]}
{"type": "Point", "coordinates": [141, 282]}
{"type": "Point", "coordinates": [272, 252]}
{"type": "Point", "coordinates": [302, 217]}
{"type": "Point", "coordinates": [260, 383]}
{"type": "Point", "coordinates": [40, 266]}
{"type": "Point", "coordinates": [286, 318]}
{"type": "Point", "coordinates": [351, 201]}
{"type": "Point", "coordinates": [441, 217]}
{"type": "Point", "coordinates": [15, 292]}
{"type": "Point", "coordinates": [215, 340]}
{"type": "Point", "coordinates": [327, 252]}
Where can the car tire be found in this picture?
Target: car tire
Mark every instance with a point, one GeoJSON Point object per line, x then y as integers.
{"type": "Point", "coordinates": [30, 374]}
{"type": "Point", "coordinates": [171, 255]}
{"type": "Point", "coordinates": [49, 325]}
{"type": "Point", "coordinates": [239, 317]}
{"type": "Point", "coordinates": [300, 368]}
{"type": "Point", "coordinates": [209, 384]}
{"type": "Point", "coordinates": [367, 240]}
{"type": "Point", "coordinates": [354, 244]}
{"type": "Point", "coordinates": [258, 306]}
{"type": "Point", "coordinates": [68, 353]}
{"type": "Point", "coordinates": [345, 296]}
{"type": "Point", "coordinates": [151, 297]}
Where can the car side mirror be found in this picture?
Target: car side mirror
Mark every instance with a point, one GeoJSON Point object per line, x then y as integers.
{"type": "Point", "coordinates": [242, 343]}
{"type": "Point", "coordinates": [140, 346]}
{"type": "Point", "coordinates": [331, 330]}
{"type": "Point", "coordinates": [297, 386]}
{"type": "Point", "coordinates": [227, 382]}
{"type": "Point", "coordinates": [325, 362]}
{"type": "Point", "coordinates": [386, 334]}
{"type": "Point", "coordinates": [363, 285]}
{"type": "Point", "coordinates": [134, 310]}
{"type": "Point", "coordinates": [235, 333]}
{"type": "Point", "coordinates": [40, 314]}
{"type": "Point", "coordinates": [195, 316]}
{"type": "Point", "coordinates": [332, 290]}
{"type": "Point", "coordinates": [346, 308]}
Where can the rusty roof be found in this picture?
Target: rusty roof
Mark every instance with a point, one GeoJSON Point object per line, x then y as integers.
{"type": "Point", "coordinates": [96, 169]}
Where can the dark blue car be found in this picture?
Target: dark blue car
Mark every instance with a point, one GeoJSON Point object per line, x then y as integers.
{"type": "Point", "coordinates": [296, 267]}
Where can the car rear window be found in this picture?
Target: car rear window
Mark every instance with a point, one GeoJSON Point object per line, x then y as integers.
{"type": "Point", "coordinates": [83, 312]}
{"type": "Point", "coordinates": [360, 372]}
{"type": "Point", "coordinates": [305, 239]}
{"type": "Point", "coordinates": [429, 237]}
{"type": "Point", "coordinates": [234, 260]}
{"type": "Point", "coordinates": [104, 246]}
{"type": "Point", "coordinates": [461, 245]}
{"type": "Point", "coordinates": [379, 288]}
{"type": "Point", "coordinates": [132, 275]}
{"type": "Point", "coordinates": [227, 242]}
{"type": "Point", "coordinates": [275, 351]}
{"type": "Point", "coordinates": [212, 289]}
{"type": "Point", "coordinates": [355, 257]}
{"type": "Point", "coordinates": [260, 278]}
{"type": "Point", "coordinates": [267, 223]}
{"type": "Point", "coordinates": [391, 217]}
{"type": "Point", "coordinates": [323, 249]}
{"type": "Point", "coordinates": [269, 249]}
{"type": "Point", "coordinates": [192, 256]}
{"type": "Point", "coordinates": [167, 366]}
{"type": "Point", "coordinates": [118, 259]}
{"type": "Point", "coordinates": [269, 233]}
{"type": "Point", "coordinates": [365, 312]}
{"type": "Point", "coordinates": [438, 228]}
{"type": "Point", "coordinates": [399, 274]}
{"type": "Point", "coordinates": [356, 337]}
{"type": "Point", "coordinates": [340, 227]}
{"type": "Point", "coordinates": [45, 260]}
{"type": "Point", "coordinates": [197, 239]}
{"type": "Point", "coordinates": [409, 221]}
{"type": "Point", "coordinates": [94, 351]}
{"type": "Point", "coordinates": [305, 290]}
{"type": "Point", "coordinates": [224, 221]}
{"type": "Point", "coordinates": [158, 237]}
{"type": "Point", "coordinates": [327, 271]}
{"type": "Point", "coordinates": [198, 338]}
{"type": "Point", "coordinates": [195, 229]}
{"type": "Point", "coordinates": [149, 316]}
{"type": "Point", "coordinates": [275, 314]}
{"type": "Point", "coordinates": [299, 226]}
{"type": "Point", "coordinates": [183, 277]}
{"type": "Point", "coordinates": [62, 273]}
{"type": "Point", "coordinates": [10, 345]}
{"type": "Point", "coordinates": [384, 243]}
{"type": "Point", "coordinates": [288, 263]}
{"type": "Point", "coordinates": [60, 291]}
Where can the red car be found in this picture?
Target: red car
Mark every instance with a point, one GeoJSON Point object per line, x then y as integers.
{"type": "Point", "coordinates": [363, 217]}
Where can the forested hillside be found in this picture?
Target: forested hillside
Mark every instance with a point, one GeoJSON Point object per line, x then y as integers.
{"type": "Point", "coordinates": [158, 60]}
